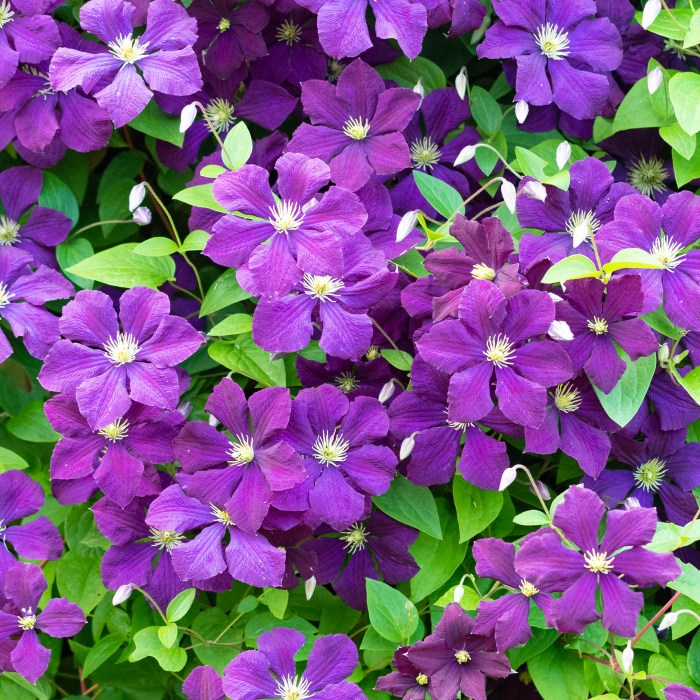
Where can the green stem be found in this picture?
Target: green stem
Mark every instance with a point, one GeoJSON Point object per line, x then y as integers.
{"type": "Point", "coordinates": [393, 344]}
{"type": "Point", "coordinates": [99, 223]}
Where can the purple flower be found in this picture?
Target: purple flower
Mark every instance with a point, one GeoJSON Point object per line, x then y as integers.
{"type": "Point", "coordinates": [299, 558]}
{"type": "Point", "coordinates": [676, 691]}
{"type": "Point", "coordinates": [108, 365]}
{"type": "Point", "coordinates": [562, 52]}
{"type": "Point", "coordinates": [336, 438]}
{"type": "Point", "coordinates": [203, 683]}
{"type": "Point", "coordinates": [22, 295]}
{"type": "Point", "coordinates": [357, 125]}
{"type": "Point", "coordinates": [407, 681]}
{"type": "Point", "coordinates": [599, 316]}
{"type": "Point", "coordinates": [613, 565]}
{"type": "Point", "coordinates": [665, 232]}
{"type": "Point", "coordinates": [271, 671]}
{"type": "Point", "coordinates": [455, 658]}
{"type": "Point", "coordinates": [247, 469]}
{"type": "Point", "coordinates": [585, 206]}
{"type": "Point", "coordinates": [306, 234]}
{"type": "Point", "coordinates": [24, 585]}
{"type": "Point", "coordinates": [490, 338]}
{"type": "Point", "coordinates": [163, 53]}
{"type": "Point", "coordinates": [341, 305]}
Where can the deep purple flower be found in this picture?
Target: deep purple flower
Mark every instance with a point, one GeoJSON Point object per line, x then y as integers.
{"type": "Point", "coordinates": [599, 316]}
{"type": "Point", "coordinates": [665, 232]}
{"type": "Point", "coordinates": [107, 365]}
{"type": "Point", "coordinates": [336, 438]}
{"type": "Point", "coordinates": [244, 470]}
{"type": "Point", "coordinates": [22, 296]}
{"type": "Point", "coordinates": [455, 658]}
{"type": "Point", "coordinates": [357, 125]}
{"type": "Point", "coordinates": [584, 207]}
{"type": "Point", "coordinates": [676, 691]}
{"type": "Point", "coordinates": [24, 585]}
{"type": "Point", "coordinates": [490, 338]}
{"type": "Point", "coordinates": [613, 565]}
{"type": "Point", "coordinates": [271, 671]}
{"type": "Point", "coordinates": [407, 681]}
{"type": "Point", "coordinates": [306, 234]}
{"type": "Point", "coordinates": [164, 54]}
{"type": "Point", "coordinates": [203, 683]}
{"type": "Point", "coordinates": [562, 52]}
{"type": "Point", "coordinates": [299, 558]}
{"type": "Point", "coordinates": [340, 303]}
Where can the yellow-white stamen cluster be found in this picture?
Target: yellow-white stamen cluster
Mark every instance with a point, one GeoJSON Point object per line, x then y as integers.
{"type": "Point", "coordinates": [667, 252]}
{"type": "Point", "coordinates": [166, 539]}
{"type": "Point", "coordinates": [553, 42]}
{"type": "Point", "coordinates": [649, 475]}
{"type": "Point", "coordinates": [356, 129]}
{"type": "Point", "coordinates": [322, 287]}
{"type": "Point", "coordinates": [355, 538]}
{"type": "Point", "coordinates": [424, 153]}
{"type": "Point", "coordinates": [286, 216]}
{"type": "Point", "coordinates": [128, 49]}
{"type": "Point", "coordinates": [121, 350]}
{"type": "Point", "coordinates": [567, 398]}
{"type": "Point", "coordinates": [6, 13]}
{"type": "Point", "coordinates": [220, 114]}
{"type": "Point", "coordinates": [9, 231]}
{"type": "Point", "coordinates": [499, 350]}
{"type": "Point", "coordinates": [288, 32]}
{"type": "Point", "coordinates": [293, 688]}
{"type": "Point", "coordinates": [115, 431]}
{"type": "Point", "coordinates": [598, 562]}
{"type": "Point", "coordinates": [5, 295]}
{"type": "Point", "coordinates": [330, 448]}
{"type": "Point", "coordinates": [598, 325]}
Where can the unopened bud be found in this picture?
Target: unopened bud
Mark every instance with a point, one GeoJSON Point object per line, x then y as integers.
{"type": "Point", "coordinates": [631, 503]}
{"type": "Point", "coordinates": [418, 88]}
{"type": "Point", "coordinates": [627, 658]}
{"type": "Point", "coordinates": [663, 353]}
{"type": "Point", "coordinates": [563, 154]}
{"type": "Point", "coordinates": [309, 587]}
{"type": "Point", "coordinates": [560, 330]}
{"type": "Point", "coordinates": [654, 80]}
{"type": "Point", "coordinates": [122, 593]}
{"type": "Point", "coordinates": [407, 446]}
{"type": "Point", "coordinates": [522, 109]}
{"type": "Point", "coordinates": [465, 155]}
{"type": "Point", "coordinates": [136, 196]}
{"type": "Point", "coordinates": [508, 477]}
{"type": "Point", "coordinates": [406, 225]}
{"type": "Point", "coordinates": [535, 190]}
{"type": "Point", "coordinates": [187, 116]}
{"type": "Point", "coordinates": [555, 298]}
{"type": "Point", "coordinates": [580, 233]}
{"type": "Point", "coordinates": [142, 216]}
{"type": "Point", "coordinates": [387, 391]}
{"type": "Point", "coordinates": [184, 408]}
{"type": "Point", "coordinates": [650, 13]}
{"type": "Point", "coordinates": [542, 490]}
{"type": "Point", "coordinates": [458, 594]}
{"type": "Point", "coordinates": [667, 620]}
{"type": "Point", "coordinates": [461, 82]}
{"type": "Point", "coordinates": [213, 421]}
{"type": "Point", "coordinates": [509, 195]}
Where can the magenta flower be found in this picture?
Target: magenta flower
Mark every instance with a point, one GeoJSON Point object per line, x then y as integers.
{"type": "Point", "coordinates": [108, 365]}
{"type": "Point", "coordinates": [203, 683]}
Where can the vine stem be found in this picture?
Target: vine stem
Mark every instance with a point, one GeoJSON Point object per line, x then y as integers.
{"type": "Point", "coordinates": [661, 612]}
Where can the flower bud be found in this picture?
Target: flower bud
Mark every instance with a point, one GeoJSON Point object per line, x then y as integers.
{"type": "Point", "coordinates": [184, 408]}
{"type": "Point", "coordinates": [310, 587]}
{"type": "Point", "coordinates": [508, 477]}
{"type": "Point", "coordinates": [632, 502]}
{"type": "Point", "coordinates": [555, 298]}
{"type": "Point", "coordinates": [580, 233]}
{"type": "Point", "coordinates": [187, 116]}
{"type": "Point", "coordinates": [213, 421]}
{"type": "Point", "coordinates": [650, 13]}
{"type": "Point", "coordinates": [407, 446]}
{"type": "Point", "coordinates": [406, 225]}
{"type": "Point", "coordinates": [654, 80]}
{"type": "Point", "coordinates": [663, 353]}
{"type": "Point", "coordinates": [136, 196]}
{"type": "Point", "coordinates": [509, 195]}
{"type": "Point", "coordinates": [522, 109]}
{"type": "Point", "coordinates": [667, 620]}
{"type": "Point", "coordinates": [461, 82]}
{"type": "Point", "coordinates": [465, 155]}
{"type": "Point", "coordinates": [535, 190]}
{"type": "Point", "coordinates": [122, 593]}
{"type": "Point", "coordinates": [542, 490]}
{"type": "Point", "coordinates": [627, 658]}
{"type": "Point", "coordinates": [418, 88]}
{"type": "Point", "coordinates": [458, 594]}
{"type": "Point", "coordinates": [563, 154]}
{"type": "Point", "coordinates": [560, 330]}
{"type": "Point", "coordinates": [387, 391]}
{"type": "Point", "coordinates": [142, 216]}
{"type": "Point", "coordinates": [276, 356]}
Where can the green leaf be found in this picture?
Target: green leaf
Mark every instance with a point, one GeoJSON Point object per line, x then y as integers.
{"type": "Point", "coordinates": [245, 357]}
{"type": "Point", "coordinates": [104, 649]}
{"type": "Point", "coordinates": [238, 146]}
{"type": "Point", "coordinates": [168, 634]}
{"type": "Point", "coordinates": [412, 263]}
{"type": "Point", "coordinates": [195, 241]}
{"type": "Point", "coordinates": [412, 505]}
{"type": "Point", "coordinates": [30, 424]}
{"type": "Point", "coordinates": [660, 322]}
{"type": "Point", "coordinates": [572, 268]}
{"type": "Point", "coordinates": [233, 325]}
{"type": "Point", "coordinates": [637, 111]}
{"type": "Point", "coordinates": [668, 21]}
{"type": "Point", "coordinates": [392, 615]}
{"type": "Point", "coordinates": [693, 36]}
{"type": "Point", "coordinates": [209, 624]}
{"type": "Point", "coordinates": [677, 138]}
{"type": "Point", "coordinates": [476, 508]}
{"type": "Point", "coordinates": [222, 293]}
{"type": "Point", "coordinates": [541, 639]}
{"type": "Point", "coordinates": [439, 194]}
{"type": "Point", "coordinates": [180, 605]}
{"type": "Point", "coordinates": [212, 171]}
{"type": "Point", "coordinates": [487, 159]}
{"type": "Point", "coordinates": [558, 673]}
{"type": "Point", "coordinates": [276, 600]}
{"type": "Point", "coordinates": [148, 643]}
{"type": "Point", "coordinates": [9, 460]}
{"type": "Point", "coordinates": [398, 358]}
{"type": "Point", "coordinates": [693, 660]}
{"type": "Point", "coordinates": [684, 169]}
{"type": "Point", "coordinates": [155, 122]}
{"type": "Point", "coordinates": [78, 579]}
{"type": "Point", "coordinates": [485, 110]}
{"type": "Point", "coordinates": [530, 164]}
{"type": "Point", "coordinates": [623, 402]}
{"type": "Point", "coordinates": [691, 383]}
{"type": "Point", "coordinates": [122, 267]}
{"type": "Point", "coordinates": [469, 601]}
{"type": "Point", "coordinates": [156, 247]}
{"type": "Point", "coordinates": [70, 253]}
{"type": "Point", "coordinates": [248, 604]}
{"type": "Point", "coordinates": [632, 258]}
{"type": "Point", "coordinates": [405, 73]}
{"type": "Point", "coordinates": [684, 90]}
{"type": "Point", "coordinates": [55, 194]}
{"type": "Point", "coordinates": [199, 196]}
{"type": "Point", "coordinates": [531, 518]}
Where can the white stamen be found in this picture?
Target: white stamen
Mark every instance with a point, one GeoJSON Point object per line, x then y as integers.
{"type": "Point", "coordinates": [553, 42]}
{"type": "Point", "coordinates": [355, 538]}
{"type": "Point", "coordinates": [481, 271]}
{"type": "Point", "coordinates": [220, 114]}
{"type": "Point", "coordinates": [241, 450]}
{"type": "Point", "coordinates": [322, 287]}
{"type": "Point", "coordinates": [424, 153]}
{"type": "Point", "coordinates": [121, 350]}
{"type": "Point", "coordinates": [667, 252]}
{"type": "Point", "coordinates": [650, 475]}
{"type": "Point", "coordinates": [128, 49]}
{"type": "Point", "coordinates": [297, 688]}
{"type": "Point", "coordinates": [5, 295]}
{"type": "Point", "coordinates": [6, 13]}
{"type": "Point", "coordinates": [166, 539]}
{"type": "Point", "coordinates": [9, 231]}
{"type": "Point", "coordinates": [598, 325]}
{"type": "Point", "coordinates": [499, 350]}
{"type": "Point", "coordinates": [220, 515]}
{"type": "Point", "coordinates": [528, 589]}
{"type": "Point", "coordinates": [330, 448]}
{"type": "Point", "coordinates": [356, 129]}
{"type": "Point", "coordinates": [598, 562]}
{"type": "Point", "coordinates": [567, 398]}
{"type": "Point", "coordinates": [116, 430]}
{"type": "Point", "coordinates": [286, 216]}
{"type": "Point", "coordinates": [27, 620]}
{"type": "Point", "coordinates": [582, 225]}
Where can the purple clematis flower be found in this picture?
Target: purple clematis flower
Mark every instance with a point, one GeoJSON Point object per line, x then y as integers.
{"type": "Point", "coordinates": [24, 585]}
{"type": "Point", "coordinates": [357, 125]}
{"type": "Point", "coordinates": [563, 54]}
{"type": "Point", "coordinates": [665, 232]}
{"type": "Point", "coordinates": [455, 658]}
{"type": "Point", "coordinates": [244, 470]}
{"type": "Point", "coordinates": [490, 338]}
{"type": "Point", "coordinates": [598, 322]}
{"type": "Point", "coordinates": [407, 681]}
{"type": "Point", "coordinates": [163, 53]}
{"type": "Point", "coordinates": [305, 234]}
{"type": "Point", "coordinates": [336, 438]}
{"type": "Point", "coordinates": [203, 683]}
{"type": "Point", "coordinates": [271, 671]}
{"type": "Point", "coordinates": [22, 296]}
{"type": "Point", "coordinates": [109, 366]}
{"type": "Point", "coordinates": [676, 691]}
{"type": "Point", "coordinates": [614, 564]}
{"type": "Point", "coordinates": [20, 497]}
{"type": "Point", "coordinates": [569, 218]}
{"type": "Point", "coordinates": [341, 304]}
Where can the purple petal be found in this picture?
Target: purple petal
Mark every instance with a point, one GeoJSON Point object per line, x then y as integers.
{"type": "Point", "coordinates": [61, 618]}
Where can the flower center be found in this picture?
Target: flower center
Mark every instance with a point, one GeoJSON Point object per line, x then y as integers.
{"type": "Point", "coordinates": [499, 350]}
{"type": "Point", "coordinates": [322, 287]}
{"type": "Point", "coordinates": [26, 621]}
{"type": "Point", "coordinates": [220, 114]}
{"type": "Point", "coordinates": [667, 252]}
{"type": "Point", "coordinates": [221, 516]}
{"type": "Point", "coordinates": [598, 325]}
{"type": "Point", "coordinates": [6, 13]}
{"type": "Point", "coordinates": [553, 42]}
{"type": "Point", "coordinates": [166, 539]}
{"type": "Point", "coordinates": [346, 382]}
{"type": "Point", "coordinates": [241, 450]}
{"type": "Point", "coordinates": [374, 353]}
{"type": "Point", "coordinates": [582, 225]}
{"type": "Point", "coordinates": [463, 656]}
{"type": "Point", "coordinates": [649, 475]}
{"type": "Point", "coordinates": [481, 271]}
{"type": "Point", "coordinates": [330, 448]}
{"type": "Point", "coordinates": [9, 230]}
{"type": "Point", "coordinates": [288, 32]}
{"type": "Point", "coordinates": [224, 25]}
{"type": "Point", "coordinates": [286, 216]}
{"type": "Point", "coordinates": [121, 350]}
{"type": "Point", "coordinates": [355, 538]}
{"type": "Point", "coordinates": [297, 688]}
{"type": "Point", "coordinates": [335, 68]}
{"type": "Point", "coordinates": [424, 153]}
{"type": "Point", "coordinates": [598, 562]}
{"type": "Point", "coordinates": [648, 176]}
{"type": "Point", "coordinates": [115, 431]}
{"type": "Point", "coordinates": [422, 679]}
{"type": "Point", "coordinates": [5, 295]}
{"type": "Point", "coordinates": [128, 49]}
{"type": "Point", "coordinates": [528, 589]}
{"type": "Point", "coordinates": [567, 398]}
{"type": "Point", "coordinates": [32, 70]}
{"type": "Point", "coordinates": [356, 128]}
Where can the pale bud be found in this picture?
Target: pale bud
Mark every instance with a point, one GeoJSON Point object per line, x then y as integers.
{"type": "Point", "coordinates": [509, 195]}
{"type": "Point", "coordinates": [142, 216]}
{"type": "Point", "coordinates": [522, 109]}
{"type": "Point", "coordinates": [407, 446]}
{"type": "Point", "coordinates": [563, 154]}
{"type": "Point", "coordinates": [187, 116]}
{"type": "Point", "coordinates": [465, 155]}
{"type": "Point", "coordinates": [650, 13]}
{"type": "Point", "coordinates": [122, 593]}
{"type": "Point", "coordinates": [654, 80]}
{"type": "Point", "coordinates": [542, 489]}
{"type": "Point", "coordinates": [580, 233]}
{"type": "Point", "coordinates": [627, 658]}
{"type": "Point", "coordinates": [387, 391]}
{"type": "Point", "coordinates": [277, 356]}
{"type": "Point", "coordinates": [667, 620]}
{"type": "Point", "coordinates": [407, 224]}
{"type": "Point", "coordinates": [309, 587]}
{"type": "Point", "coordinates": [184, 408]}
{"type": "Point", "coordinates": [535, 190]}
{"type": "Point", "coordinates": [418, 88]}
{"type": "Point", "coordinates": [560, 330]}
{"type": "Point", "coordinates": [508, 477]}
{"type": "Point", "coordinates": [555, 297]}
{"type": "Point", "coordinates": [663, 353]}
{"type": "Point", "coordinates": [461, 82]}
{"type": "Point", "coordinates": [458, 594]}
{"type": "Point", "coordinates": [213, 421]}
{"type": "Point", "coordinates": [137, 195]}
{"type": "Point", "coordinates": [631, 503]}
